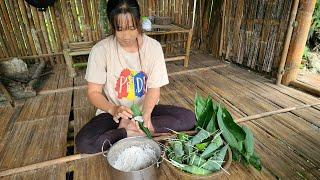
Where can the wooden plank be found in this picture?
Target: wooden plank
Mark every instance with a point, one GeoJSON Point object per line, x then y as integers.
{"type": "Point", "coordinates": [44, 106]}
{"type": "Point", "coordinates": [93, 167]}
{"type": "Point", "coordinates": [7, 119]}
{"type": "Point", "coordinates": [35, 141]}
{"type": "Point", "coordinates": [51, 172]}
{"type": "Point", "coordinates": [59, 79]}
{"type": "Point", "coordinates": [275, 155]}
{"type": "Point", "coordinates": [280, 99]}
{"type": "Point", "coordinates": [312, 79]}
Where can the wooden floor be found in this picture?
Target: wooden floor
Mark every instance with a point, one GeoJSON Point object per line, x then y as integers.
{"type": "Point", "coordinates": [288, 143]}
{"type": "Point", "coordinates": [311, 79]}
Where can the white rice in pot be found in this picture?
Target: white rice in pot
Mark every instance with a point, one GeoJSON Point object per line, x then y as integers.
{"type": "Point", "coordinates": [135, 158]}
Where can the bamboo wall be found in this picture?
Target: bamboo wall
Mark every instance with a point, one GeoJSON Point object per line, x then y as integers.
{"type": "Point", "coordinates": [24, 31]}
{"type": "Point", "coordinates": [251, 32]}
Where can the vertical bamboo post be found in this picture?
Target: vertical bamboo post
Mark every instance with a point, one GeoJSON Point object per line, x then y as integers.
{"type": "Point", "coordinates": [298, 41]}
{"type": "Point", "coordinates": [186, 61]}
{"type": "Point", "coordinates": [287, 41]}
{"type": "Point", "coordinates": [222, 27]}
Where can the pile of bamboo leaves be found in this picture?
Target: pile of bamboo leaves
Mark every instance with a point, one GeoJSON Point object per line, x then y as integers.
{"type": "Point", "coordinates": [214, 117]}
{"type": "Point", "coordinates": [201, 154]}
{"type": "Point", "coordinates": [205, 152]}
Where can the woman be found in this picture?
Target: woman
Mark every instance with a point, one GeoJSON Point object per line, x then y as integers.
{"type": "Point", "coordinates": [127, 67]}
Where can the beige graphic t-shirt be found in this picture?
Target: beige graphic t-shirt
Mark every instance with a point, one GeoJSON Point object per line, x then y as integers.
{"type": "Point", "coordinates": [125, 79]}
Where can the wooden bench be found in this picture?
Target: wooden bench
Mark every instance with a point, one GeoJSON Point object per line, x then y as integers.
{"type": "Point", "coordinates": [84, 48]}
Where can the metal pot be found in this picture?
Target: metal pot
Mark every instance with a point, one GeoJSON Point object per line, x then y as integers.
{"type": "Point", "coordinates": [148, 173]}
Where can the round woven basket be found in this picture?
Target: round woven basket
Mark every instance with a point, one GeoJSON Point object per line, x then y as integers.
{"type": "Point", "coordinates": [186, 176]}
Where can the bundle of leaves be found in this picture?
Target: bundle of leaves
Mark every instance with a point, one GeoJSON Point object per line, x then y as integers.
{"type": "Point", "coordinates": [213, 117]}
{"type": "Point", "coordinates": [201, 154]}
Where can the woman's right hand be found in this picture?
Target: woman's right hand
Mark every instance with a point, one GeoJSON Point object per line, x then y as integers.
{"type": "Point", "coordinates": [121, 112]}
{"type": "Point", "coordinates": [131, 127]}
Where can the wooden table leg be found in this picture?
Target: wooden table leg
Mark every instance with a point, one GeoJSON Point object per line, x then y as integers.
{"type": "Point", "coordinates": [69, 62]}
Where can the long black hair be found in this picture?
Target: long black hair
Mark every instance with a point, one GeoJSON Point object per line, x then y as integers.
{"type": "Point", "coordinates": [117, 7]}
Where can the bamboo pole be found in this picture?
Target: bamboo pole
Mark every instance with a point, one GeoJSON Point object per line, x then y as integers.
{"type": "Point", "coordinates": [81, 18]}
{"type": "Point", "coordinates": [61, 90]}
{"type": "Point", "coordinates": [33, 56]}
{"type": "Point", "coordinates": [22, 26]}
{"type": "Point", "coordinates": [44, 34]}
{"type": "Point", "coordinates": [57, 32]}
{"type": "Point", "coordinates": [1, 50]}
{"type": "Point", "coordinates": [222, 27]}
{"type": "Point", "coordinates": [40, 44]}
{"type": "Point", "coordinates": [27, 26]}
{"type": "Point", "coordinates": [34, 31]}
{"type": "Point", "coordinates": [4, 44]}
{"type": "Point", "coordinates": [61, 30]}
{"type": "Point", "coordinates": [51, 36]}
{"type": "Point", "coordinates": [265, 114]}
{"type": "Point", "coordinates": [66, 20]}
{"type": "Point", "coordinates": [47, 163]}
{"type": "Point", "coordinates": [94, 20]}
{"type": "Point", "coordinates": [87, 17]}
{"type": "Point", "coordinates": [13, 50]}
{"type": "Point", "coordinates": [287, 41]}
{"type": "Point", "coordinates": [188, 48]}
{"type": "Point", "coordinates": [15, 27]}
{"type": "Point", "coordinates": [304, 17]}
{"type": "Point", "coordinates": [305, 87]}
{"type": "Point", "coordinates": [75, 21]}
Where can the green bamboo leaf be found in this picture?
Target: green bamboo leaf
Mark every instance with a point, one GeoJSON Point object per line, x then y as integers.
{"type": "Point", "coordinates": [183, 136]}
{"type": "Point", "coordinates": [214, 145]}
{"type": "Point", "coordinates": [145, 130]}
{"type": "Point", "coordinates": [177, 147]}
{"type": "Point", "coordinates": [206, 116]}
{"type": "Point", "coordinates": [202, 146]}
{"type": "Point", "coordinates": [215, 162]}
{"type": "Point", "coordinates": [234, 128]}
{"type": "Point", "coordinates": [199, 137]}
{"type": "Point", "coordinates": [228, 136]}
{"type": "Point", "coordinates": [187, 147]}
{"type": "Point", "coordinates": [196, 160]}
{"type": "Point", "coordinates": [255, 161]}
{"type": "Point", "coordinates": [196, 170]}
{"type": "Point", "coordinates": [136, 112]}
{"type": "Point", "coordinates": [199, 105]}
{"type": "Point", "coordinates": [213, 124]}
{"type": "Point", "coordinates": [248, 143]}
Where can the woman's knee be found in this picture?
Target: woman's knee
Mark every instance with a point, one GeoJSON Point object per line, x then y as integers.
{"type": "Point", "coordinates": [82, 143]}
{"type": "Point", "coordinates": [189, 119]}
